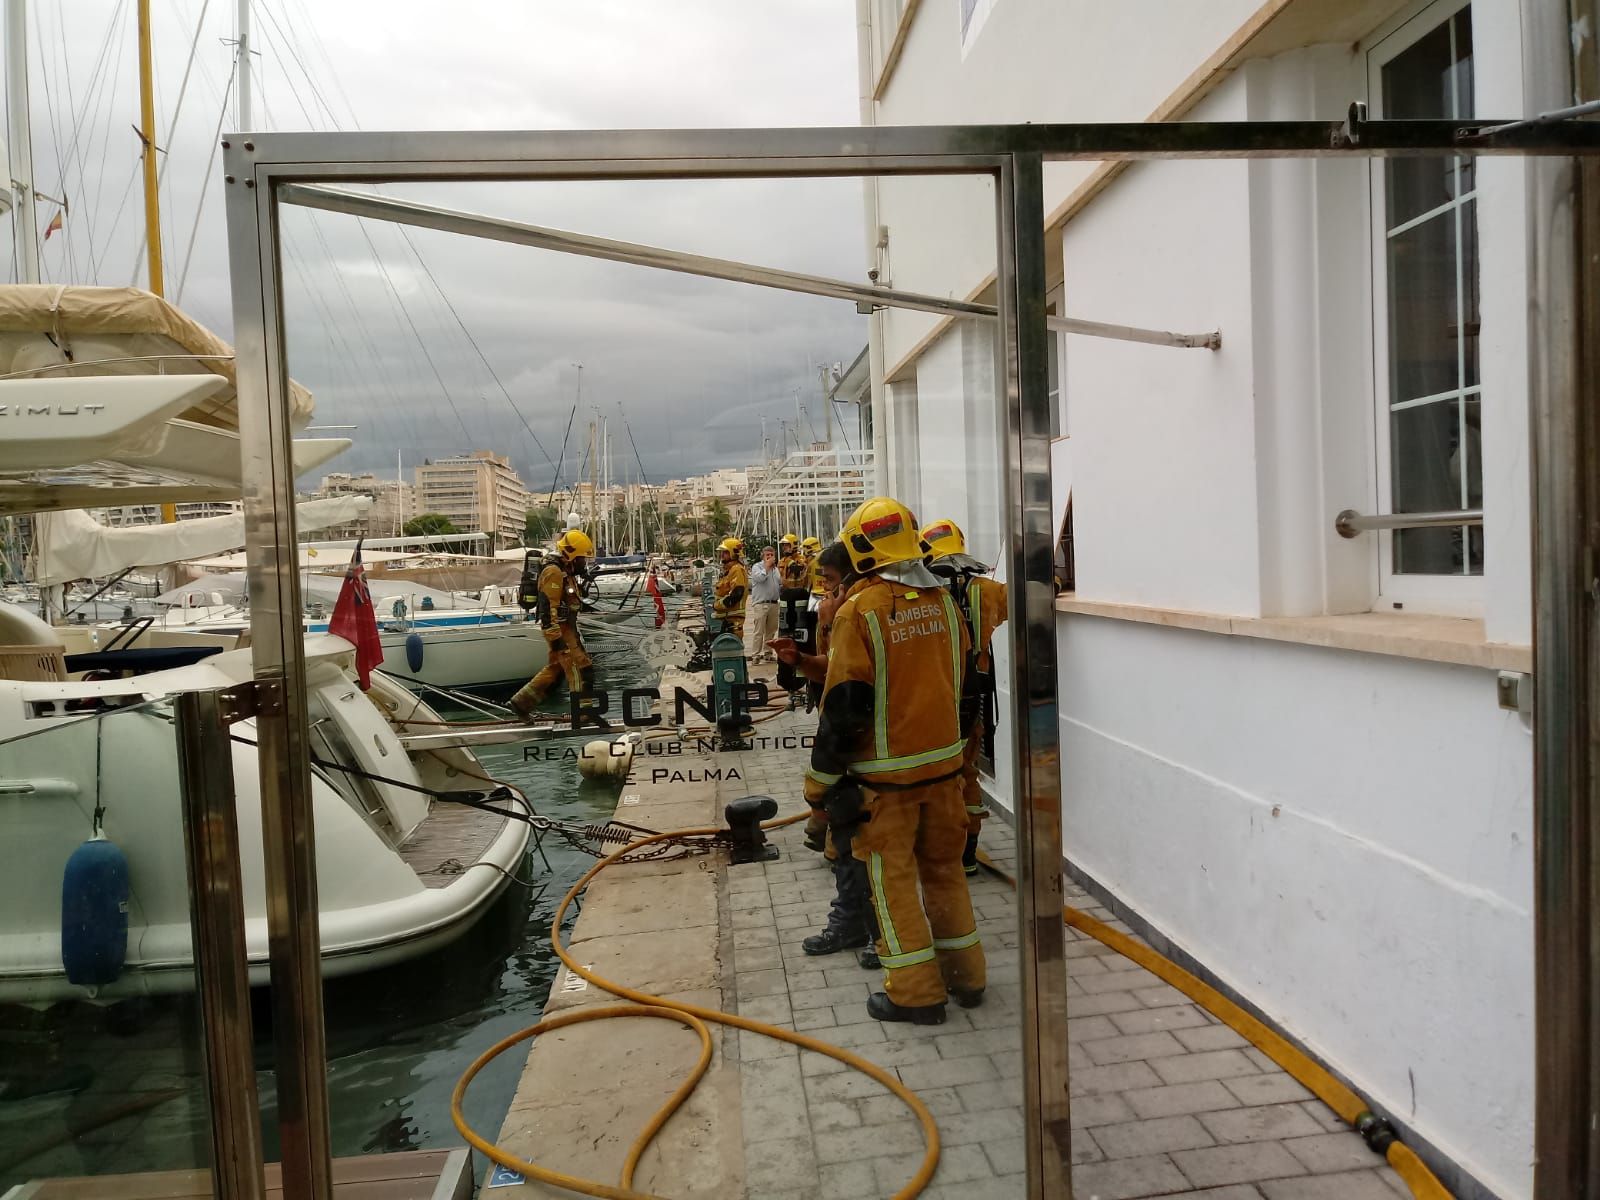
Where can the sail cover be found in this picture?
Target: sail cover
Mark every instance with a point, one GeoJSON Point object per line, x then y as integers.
{"type": "Point", "coordinates": [73, 545]}
{"type": "Point", "coordinates": [42, 325]}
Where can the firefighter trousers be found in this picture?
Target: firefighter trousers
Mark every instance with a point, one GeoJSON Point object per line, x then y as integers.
{"type": "Point", "coordinates": [575, 666]}
{"type": "Point", "coordinates": [927, 943]}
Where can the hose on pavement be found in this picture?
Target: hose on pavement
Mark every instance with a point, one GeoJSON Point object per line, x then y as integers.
{"type": "Point", "coordinates": [696, 1017]}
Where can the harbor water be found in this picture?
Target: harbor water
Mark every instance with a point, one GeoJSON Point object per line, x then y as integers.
{"type": "Point", "coordinates": [90, 1089]}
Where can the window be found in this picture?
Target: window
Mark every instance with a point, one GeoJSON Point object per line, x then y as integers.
{"type": "Point", "coordinates": [1425, 215]}
{"type": "Point", "coordinates": [1057, 351]}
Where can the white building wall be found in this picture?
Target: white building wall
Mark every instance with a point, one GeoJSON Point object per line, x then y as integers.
{"type": "Point", "coordinates": [1344, 838]}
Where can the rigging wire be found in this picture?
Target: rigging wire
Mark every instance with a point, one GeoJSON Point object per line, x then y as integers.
{"type": "Point", "coordinates": [75, 151]}
{"type": "Point", "coordinates": [172, 127]}
{"type": "Point", "coordinates": [45, 66]}
{"type": "Point", "coordinates": [205, 184]}
{"type": "Point", "coordinates": [288, 40]}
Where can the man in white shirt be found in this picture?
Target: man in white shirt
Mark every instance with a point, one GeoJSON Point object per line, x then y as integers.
{"type": "Point", "coordinates": [761, 615]}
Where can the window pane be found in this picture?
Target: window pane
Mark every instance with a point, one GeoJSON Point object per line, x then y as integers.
{"type": "Point", "coordinates": [1425, 455]}
{"type": "Point", "coordinates": [1430, 81]}
{"type": "Point", "coordinates": [1422, 310]}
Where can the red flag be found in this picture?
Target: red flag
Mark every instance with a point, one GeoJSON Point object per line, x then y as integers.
{"type": "Point", "coordinates": [654, 589]}
{"type": "Point", "coordinates": [355, 621]}
{"type": "Point", "coordinates": [54, 226]}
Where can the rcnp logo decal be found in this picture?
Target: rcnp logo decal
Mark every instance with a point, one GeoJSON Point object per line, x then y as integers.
{"type": "Point", "coordinates": [938, 532]}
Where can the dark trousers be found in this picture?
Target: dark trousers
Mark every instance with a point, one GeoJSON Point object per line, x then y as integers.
{"type": "Point", "coordinates": [852, 892]}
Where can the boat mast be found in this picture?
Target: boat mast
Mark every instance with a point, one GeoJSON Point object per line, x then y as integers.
{"type": "Point", "coordinates": [147, 135]}
{"type": "Point", "coordinates": [24, 219]}
{"type": "Point", "coordinates": [242, 29]}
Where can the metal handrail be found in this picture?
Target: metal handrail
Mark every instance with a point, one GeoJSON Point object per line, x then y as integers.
{"type": "Point", "coordinates": [1351, 524]}
{"type": "Point", "coordinates": [107, 362]}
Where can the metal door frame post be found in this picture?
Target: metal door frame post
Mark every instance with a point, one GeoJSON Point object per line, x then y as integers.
{"type": "Point", "coordinates": [221, 960]}
{"type": "Point", "coordinates": [1561, 68]}
{"type": "Point", "coordinates": [257, 165]}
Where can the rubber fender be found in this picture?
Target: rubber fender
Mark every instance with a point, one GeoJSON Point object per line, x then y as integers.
{"type": "Point", "coordinates": [601, 759]}
{"type": "Point", "coordinates": [414, 650]}
{"type": "Point", "coordinates": [94, 913]}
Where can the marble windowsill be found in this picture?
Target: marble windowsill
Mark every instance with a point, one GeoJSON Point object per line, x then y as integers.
{"type": "Point", "coordinates": [1427, 638]}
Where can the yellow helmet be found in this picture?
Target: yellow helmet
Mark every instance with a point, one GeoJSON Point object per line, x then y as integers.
{"type": "Point", "coordinates": [574, 543]}
{"type": "Point", "coordinates": [789, 539]}
{"type": "Point", "coordinates": [811, 545]}
{"type": "Point", "coordinates": [944, 537]}
{"type": "Point", "coordinates": [731, 546]}
{"type": "Point", "coordinates": [879, 533]}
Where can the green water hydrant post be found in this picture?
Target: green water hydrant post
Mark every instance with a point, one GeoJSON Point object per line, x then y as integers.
{"type": "Point", "coordinates": [730, 680]}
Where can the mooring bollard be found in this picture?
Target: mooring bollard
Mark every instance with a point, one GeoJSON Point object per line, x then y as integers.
{"type": "Point", "coordinates": [744, 817]}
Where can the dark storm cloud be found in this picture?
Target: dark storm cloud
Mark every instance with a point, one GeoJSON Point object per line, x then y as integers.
{"type": "Point", "coordinates": [693, 364]}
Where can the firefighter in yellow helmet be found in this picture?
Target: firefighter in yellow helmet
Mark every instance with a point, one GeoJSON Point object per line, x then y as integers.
{"type": "Point", "coordinates": [732, 588]}
{"type": "Point", "coordinates": [982, 604]}
{"type": "Point", "coordinates": [794, 592]}
{"type": "Point", "coordinates": [809, 549]}
{"type": "Point", "coordinates": [557, 604]}
{"type": "Point", "coordinates": [886, 764]}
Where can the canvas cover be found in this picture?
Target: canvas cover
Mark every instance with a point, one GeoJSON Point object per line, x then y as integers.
{"type": "Point", "coordinates": [73, 545]}
{"type": "Point", "coordinates": [45, 324]}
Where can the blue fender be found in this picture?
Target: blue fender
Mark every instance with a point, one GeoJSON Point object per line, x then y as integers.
{"type": "Point", "coordinates": [94, 913]}
{"type": "Point", "coordinates": [414, 651]}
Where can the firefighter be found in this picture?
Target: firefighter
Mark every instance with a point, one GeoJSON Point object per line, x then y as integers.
{"type": "Point", "coordinates": [809, 550]}
{"type": "Point", "coordinates": [982, 604]}
{"type": "Point", "coordinates": [557, 604]}
{"type": "Point", "coordinates": [887, 759]}
{"type": "Point", "coordinates": [732, 588]}
{"type": "Point", "coordinates": [794, 574]}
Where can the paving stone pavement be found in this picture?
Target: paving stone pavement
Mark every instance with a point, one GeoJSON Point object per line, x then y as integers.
{"type": "Point", "coordinates": [1166, 1101]}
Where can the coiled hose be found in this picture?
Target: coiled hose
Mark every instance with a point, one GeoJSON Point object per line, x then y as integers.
{"type": "Point", "coordinates": [644, 1004]}
{"type": "Point", "coordinates": [1350, 1108]}
{"type": "Point", "coordinates": [1424, 1185]}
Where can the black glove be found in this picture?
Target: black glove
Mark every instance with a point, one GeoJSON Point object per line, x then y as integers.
{"type": "Point", "coordinates": [844, 803]}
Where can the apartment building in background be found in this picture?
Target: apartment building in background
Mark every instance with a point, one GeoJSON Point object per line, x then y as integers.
{"type": "Point", "coordinates": [478, 492]}
{"type": "Point", "coordinates": [393, 504]}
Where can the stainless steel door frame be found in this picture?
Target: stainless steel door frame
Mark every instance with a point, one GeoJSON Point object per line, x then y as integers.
{"type": "Point", "coordinates": [256, 165]}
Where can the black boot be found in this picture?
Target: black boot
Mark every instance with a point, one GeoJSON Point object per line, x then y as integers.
{"type": "Point", "coordinates": [868, 958]}
{"type": "Point", "coordinates": [967, 997]}
{"type": "Point", "coordinates": [969, 857]}
{"type": "Point", "coordinates": [817, 840]}
{"type": "Point", "coordinates": [881, 1008]}
{"type": "Point", "coordinates": [833, 939]}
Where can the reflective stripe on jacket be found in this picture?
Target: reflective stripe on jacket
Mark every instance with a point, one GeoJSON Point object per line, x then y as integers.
{"type": "Point", "coordinates": [889, 707]}
{"type": "Point", "coordinates": [985, 612]}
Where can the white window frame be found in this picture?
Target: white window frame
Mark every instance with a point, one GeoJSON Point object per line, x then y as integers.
{"type": "Point", "coordinates": [1449, 595]}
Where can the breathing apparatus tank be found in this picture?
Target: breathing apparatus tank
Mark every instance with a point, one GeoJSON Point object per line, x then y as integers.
{"type": "Point", "coordinates": [528, 586]}
{"type": "Point", "coordinates": [94, 913]}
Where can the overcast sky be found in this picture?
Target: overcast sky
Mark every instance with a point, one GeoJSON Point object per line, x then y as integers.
{"type": "Point", "coordinates": [692, 365]}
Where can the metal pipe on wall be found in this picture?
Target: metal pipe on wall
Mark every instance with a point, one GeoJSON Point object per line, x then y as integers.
{"type": "Point", "coordinates": [1560, 67]}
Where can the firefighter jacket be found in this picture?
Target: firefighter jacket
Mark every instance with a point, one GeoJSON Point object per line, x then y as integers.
{"type": "Point", "coordinates": [983, 608]}
{"type": "Point", "coordinates": [733, 585]}
{"type": "Point", "coordinates": [558, 605]}
{"type": "Point", "coordinates": [896, 659]}
{"type": "Point", "coordinates": [794, 572]}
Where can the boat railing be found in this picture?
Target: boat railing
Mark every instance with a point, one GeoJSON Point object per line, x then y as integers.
{"type": "Point", "coordinates": [123, 360]}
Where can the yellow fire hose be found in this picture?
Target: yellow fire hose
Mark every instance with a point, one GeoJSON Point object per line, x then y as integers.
{"type": "Point", "coordinates": [647, 1005]}
{"type": "Point", "coordinates": [1314, 1077]}
{"type": "Point", "coordinates": [1344, 1102]}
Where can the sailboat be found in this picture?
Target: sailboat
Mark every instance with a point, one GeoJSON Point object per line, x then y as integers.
{"type": "Point", "coordinates": [114, 397]}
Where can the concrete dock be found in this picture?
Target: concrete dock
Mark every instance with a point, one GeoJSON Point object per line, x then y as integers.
{"type": "Point", "coordinates": [1166, 1100]}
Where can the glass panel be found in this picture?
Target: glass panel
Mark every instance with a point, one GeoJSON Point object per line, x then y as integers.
{"type": "Point", "coordinates": [697, 415]}
{"type": "Point", "coordinates": [1469, 287]}
{"type": "Point", "coordinates": [1424, 344]}
{"type": "Point", "coordinates": [103, 1070]}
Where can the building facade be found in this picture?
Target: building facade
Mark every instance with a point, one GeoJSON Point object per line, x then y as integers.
{"type": "Point", "coordinates": [478, 492]}
{"type": "Point", "coordinates": [1283, 749]}
{"type": "Point", "coordinates": [393, 504]}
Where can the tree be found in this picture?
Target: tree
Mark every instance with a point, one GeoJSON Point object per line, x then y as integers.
{"type": "Point", "coordinates": [718, 518]}
{"type": "Point", "coordinates": [429, 524]}
{"type": "Point", "coordinates": [539, 525]}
